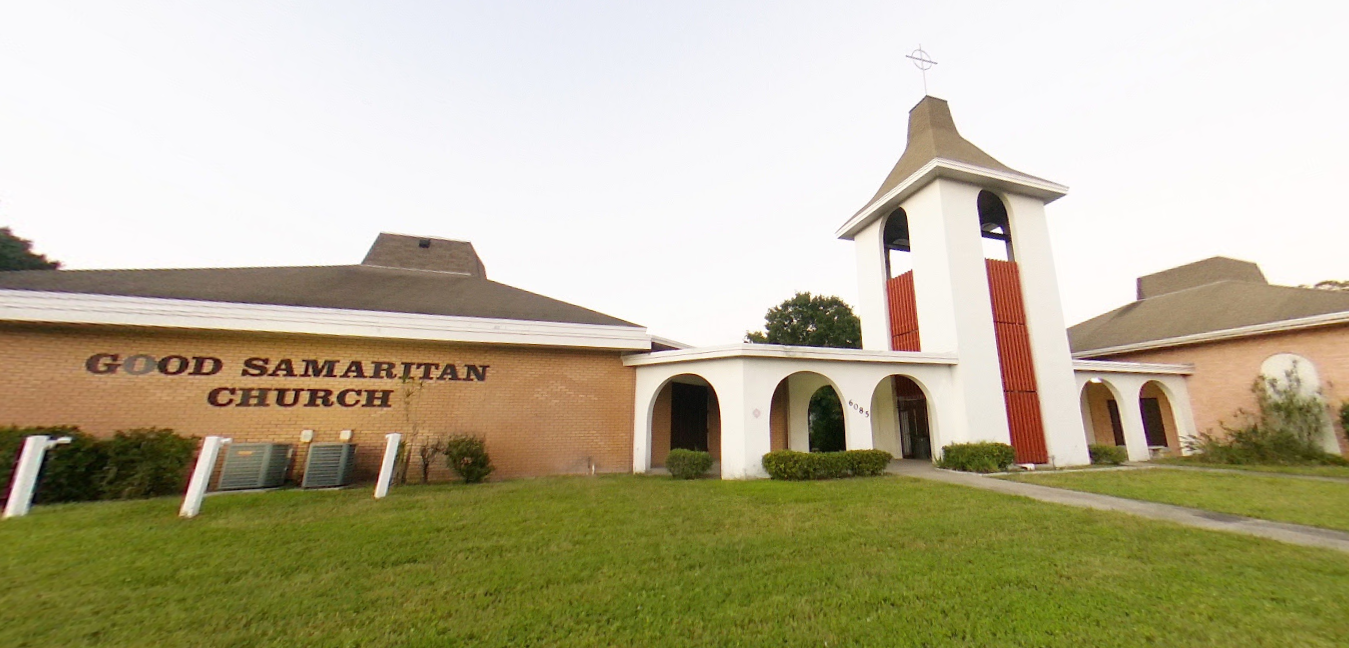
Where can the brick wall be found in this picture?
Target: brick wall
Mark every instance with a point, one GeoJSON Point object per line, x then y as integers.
{"type": "Point", "coordinates": [542, 411]}
{"type": "Point", "coordinates": [1224, 371]}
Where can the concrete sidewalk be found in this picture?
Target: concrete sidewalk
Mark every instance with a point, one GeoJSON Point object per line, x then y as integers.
{"type": "Point", "coordinates": [1235, 471]}
{"type": "Point", "coordinates": [1290, 533]}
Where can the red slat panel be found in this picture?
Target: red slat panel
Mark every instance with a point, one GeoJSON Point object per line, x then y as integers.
{"type": "Point", "coordinates": [903, 313]}
{"type": "Point", "coordinates": [1014, 354]}
{"type": "Point", "coordinates": [1004, 286]}
{"type": "Point", "coordinates": [1023, 419]}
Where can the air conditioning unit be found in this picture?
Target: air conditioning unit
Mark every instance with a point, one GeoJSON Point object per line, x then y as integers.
{"type": "Point", "coordinates": [255, 465]}
{"type": "Point", "coordinates": [329, 465]}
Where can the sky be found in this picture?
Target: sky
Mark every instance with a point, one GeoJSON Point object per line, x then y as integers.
{"type": "Point", "coordinates": [679, 165]}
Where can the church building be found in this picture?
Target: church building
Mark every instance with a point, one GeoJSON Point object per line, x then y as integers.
{"type": "Point", "coordinates": [963, 341]}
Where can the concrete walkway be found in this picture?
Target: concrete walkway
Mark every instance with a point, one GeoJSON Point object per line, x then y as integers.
{"type": "Point", "coordinates": [1290, 533]}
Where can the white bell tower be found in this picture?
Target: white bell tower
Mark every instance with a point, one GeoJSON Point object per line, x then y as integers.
{"type": "Point", "coordinates": [942, 204]}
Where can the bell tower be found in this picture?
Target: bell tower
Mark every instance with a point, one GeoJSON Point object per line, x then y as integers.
{"type": "Point", "coordinates": [953, 256]}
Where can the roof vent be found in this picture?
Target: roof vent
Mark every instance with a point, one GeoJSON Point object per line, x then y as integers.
{"type": "Point", "coordinates": [418, 253]}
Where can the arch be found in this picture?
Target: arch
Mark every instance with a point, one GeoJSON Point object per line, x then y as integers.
{"type": "Point", "coordinates": [1101, 417]}
{"type": "Point", "coordinates": [995, 226]}
{"type": "Point", "coordinates": [683, 413]}
{"type": "Point", "coordinates": [895, 236]}
{"type": "Point", "coordinates": [790, 411]}
{"type": "Point", "coordinates": [1281, 368]}
{"type": "Point", "coordinates": [1156, 404]}
{"type": "Point", "coordinates": [902, 419]}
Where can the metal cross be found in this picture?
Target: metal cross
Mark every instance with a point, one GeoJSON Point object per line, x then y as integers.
{"type": "Point", "coordinates": [923, 62]}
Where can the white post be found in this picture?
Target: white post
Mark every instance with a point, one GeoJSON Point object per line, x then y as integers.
{"type": "Point", "coordinates": [386, 468]}
{"type": "Point", "coordinates": [26, 472]}
{"type": "Point", "coordinates": [201, 475]}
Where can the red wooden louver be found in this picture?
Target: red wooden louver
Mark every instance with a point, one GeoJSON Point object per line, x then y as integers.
{"type": "Point", "coordinates": [1018, 367]}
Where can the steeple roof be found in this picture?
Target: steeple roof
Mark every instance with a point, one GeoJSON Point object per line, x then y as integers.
{"type": "Point", "coordinates": [932, 135]}
{"type": "Point", "coordinates": [936, 149]}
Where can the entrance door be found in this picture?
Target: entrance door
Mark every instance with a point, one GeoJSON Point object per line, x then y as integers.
{"type": "Point", "coordinates": [1153, 427]}
{"type": "Point", "coordinates": [1116, 425]}
{"type": "Point", "coordinates": [688, 417]}
{"type": "Point", "coordinates": [913, 432]}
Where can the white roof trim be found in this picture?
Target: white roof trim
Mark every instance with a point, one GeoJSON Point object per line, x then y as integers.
{"type": "Point", "coordinates": [84, 308]}
{"type": "Point", "coordinates": [746, 350]}
{"type": "Point", "coordinates": [1104, 366]}
{"type": "Point", "coordinates": [1328, 319]}
{"type": "Point", "coordinates": [942, 167]}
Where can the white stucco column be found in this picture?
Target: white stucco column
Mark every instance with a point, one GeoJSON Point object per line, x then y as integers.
{"type": "Point", "coordinates": [1060, 408]}
{"type": "Point", "coordinates": [873, 302]}
{"type": "Point", "coordinates": [1131, 415]}
{"type": "Point", "coordinates": [955, 312]}
{"type": "Point", "coordinates": [885, 419]}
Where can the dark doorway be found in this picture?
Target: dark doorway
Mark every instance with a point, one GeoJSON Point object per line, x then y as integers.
{"type": "Point", "coordinates": [915, 440]}
{"type": "Point", "coordinates": [1153, 426]}
{"type": "Point", "coordinates": [1116, 425]}
{"type": "Point", "coordinates": [688, 417]}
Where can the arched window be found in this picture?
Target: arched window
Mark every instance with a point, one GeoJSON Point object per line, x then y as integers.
{"type": "Point", "coordinates": [995, 227]}
{"type": "Point", "coordinates": [896, 235]}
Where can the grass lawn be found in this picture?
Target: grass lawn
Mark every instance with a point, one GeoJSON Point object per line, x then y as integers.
{"type": "Point", "coordinates": [1316, 471]}
{"type": "Point", "coordinates": [647, 561]}
{"type": "Point", "coordinates": [1301, 501]}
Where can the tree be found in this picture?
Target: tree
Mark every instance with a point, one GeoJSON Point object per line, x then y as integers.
{"type": "Point", "coordinates": [17, 254]}
{"type": "Point", "coordinates": [1331, 284]}
{"type": "Point", "coordinates": [819, 321]}
{"type": "Point", "coordinates": [810, 320]}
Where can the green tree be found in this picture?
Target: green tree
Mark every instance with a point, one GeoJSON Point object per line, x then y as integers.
{"type": "Point", "coordinates": [17, 254]}
{"type": "Point", "coordinates": [819, 321]}
{"type": "Point", "coordinates": [810, 320]}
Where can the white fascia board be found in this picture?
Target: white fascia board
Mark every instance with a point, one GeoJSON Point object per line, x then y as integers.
{"type": "Point", "coordinates": [675, 344]}
{"type": "Point", "coordinates": [1105, 366]}
{"type": "Point", "coordinates": [1329, 319]}
{"type": "Point", "coordinates": [779, 351]}
{"type": "Point", "coordinates": [84, 308]}
{"type": "Point", "coordinates": [943, 168]}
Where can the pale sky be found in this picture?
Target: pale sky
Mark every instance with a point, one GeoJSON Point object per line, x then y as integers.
{"type": "Point", "coordinates": [680, 165]}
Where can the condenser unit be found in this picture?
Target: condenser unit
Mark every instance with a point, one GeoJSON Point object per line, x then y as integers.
{"type": "Point", "coordinates": [329, 465]}
{"type": "Point", "coordinates": [255, 465]}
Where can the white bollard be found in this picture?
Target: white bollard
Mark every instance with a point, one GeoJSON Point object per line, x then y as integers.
{"type": "Point", "coordinates": [386, 468]}
{"type": "Point", "coordinates": [201, 475]}
{"type": "Point", "coordinates": [26, 472]}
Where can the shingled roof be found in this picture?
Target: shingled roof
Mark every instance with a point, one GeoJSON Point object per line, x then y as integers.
{"type": "Point", "coordinates": [401, 274]}
{"type": "Point", "coordinates": [1216, 294]}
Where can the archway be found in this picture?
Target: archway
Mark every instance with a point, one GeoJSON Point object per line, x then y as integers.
{"type": "Point", "coordinates": [901, 421]}
{"type": "Point", "coordinates": [1101, 415]}
{"type": "Point", "coordinates": [1159, 419]}
{"type": "Point", "coordinates": [995, 227]}
{"type": "Point", "coordinates": [685, 414]}
{"type": "Point", "coordinates": [806, 414]}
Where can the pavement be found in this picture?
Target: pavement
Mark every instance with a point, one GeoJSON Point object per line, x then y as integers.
{"type": "Point", "coordinates": [1291, 533]}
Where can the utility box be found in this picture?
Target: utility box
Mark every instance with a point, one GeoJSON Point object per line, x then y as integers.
{"type": "Point", "coordinates": [329, 465]}
{"type": "Point", "coordinates": [255, 465]}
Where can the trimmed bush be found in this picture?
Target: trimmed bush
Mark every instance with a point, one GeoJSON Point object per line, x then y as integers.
{"type": "Point", "coordinates": [983, 457]}
{"type": "Point", "coordinates": [791, 465]}
{"type": "Point", "coordinates": [146, 462]}
{"type": "Point", "coordinates": [132, 464]}
{"type": "Point", "coordinates": [688, 464]}
{"type": "Point", "coordinates": [868, 463]}
{"type": "Point", "coordinates": [467, 456]}
{"type": "Point", "coordinates": [1107, 454]}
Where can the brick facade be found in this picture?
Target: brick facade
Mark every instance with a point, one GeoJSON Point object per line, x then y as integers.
{"type": "Point", "coordinates": [541, 410]}
{"type": "Point", "coordinates": [1225, 370]}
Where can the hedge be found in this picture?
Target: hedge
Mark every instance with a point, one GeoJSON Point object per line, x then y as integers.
{"type": "Point", "coordinates": [688, 464]}
{"type": "Point", "coordinates": [799, 466]}
{"type": "Point", "coordinates": [1107, 454]}
{"type": "Point", "coordinates": [985, 457]}
{"type": "Point", "coordinates": [132, 464]}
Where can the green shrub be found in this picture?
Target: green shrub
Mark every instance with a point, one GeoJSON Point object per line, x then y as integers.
{"type": "Point", "coordinates": [146, 462]}
{"type": "Point", "coordinates": [1285, 429]}
{"type": "Point", "coordinates": [985, 457]}
{"type": "Point", "coordinates": [868, 463]}
{"type": "Point", "coordinates": [1107, 454]}
{"type": "Point", "coordinates": [688, 464]}
{"type": "Point", "coordinates": [467, 456]}
{"type": "Point", "coordinates": [70, 473]}
{"type": "Point", "coordinates": [799, 466]}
